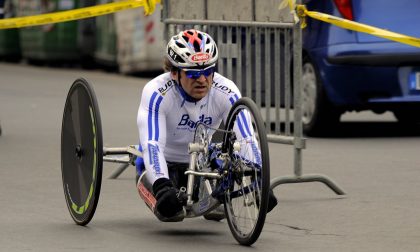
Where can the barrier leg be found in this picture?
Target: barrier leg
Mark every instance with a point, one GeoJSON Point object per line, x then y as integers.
{"type": "Point", "coordinates": [298, 177]}
{"type": "Point", "coordinates": [307, 178]}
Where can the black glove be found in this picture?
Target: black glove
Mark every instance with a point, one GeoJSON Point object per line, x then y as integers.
{"type": "Point", "coordinates": [168, 204]}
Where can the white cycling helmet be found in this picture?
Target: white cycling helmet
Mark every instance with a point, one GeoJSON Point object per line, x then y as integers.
{"type": "Point", "coordinates": [192, 49]}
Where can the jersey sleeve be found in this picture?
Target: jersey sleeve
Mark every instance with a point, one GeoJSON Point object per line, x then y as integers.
{"type": "Point", "coordinates": [151, 122]}
{"type": "Point", "coordinates": [233, 95]}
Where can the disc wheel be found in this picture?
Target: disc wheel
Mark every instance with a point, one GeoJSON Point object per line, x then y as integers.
{"type": "Point", "coordinates": [81, 152]}
{"type": "Point", "coordinates": [248, 179]}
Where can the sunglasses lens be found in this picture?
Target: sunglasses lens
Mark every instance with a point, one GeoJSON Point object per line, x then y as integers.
{"type": "Point", "coordinates": [208, 72]}
{"type": "Point", "coordinates": [192, 74]}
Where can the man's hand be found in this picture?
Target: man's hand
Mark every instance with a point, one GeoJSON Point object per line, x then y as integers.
{"type": "Point", "coordinates": [168, 204]}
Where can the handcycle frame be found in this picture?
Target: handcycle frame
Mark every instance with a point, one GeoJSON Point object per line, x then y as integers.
{"type": "Point", "coordinates": [239, 182]}
{"type": "Point", "coordinates": [113, 154]}
{"type": "Point", "coordinates": [192, 208]}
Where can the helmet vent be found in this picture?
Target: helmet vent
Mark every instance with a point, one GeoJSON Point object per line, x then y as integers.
{"type": "Point", "coordinates": [214, 52]}
{"type": "Point", "coordinates": [180, 45]}
{"type": "Point", "coordinates": [196, 46]}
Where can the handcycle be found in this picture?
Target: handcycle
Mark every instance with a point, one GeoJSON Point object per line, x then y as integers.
{"type": "Point", "coordinates": [234, 173]}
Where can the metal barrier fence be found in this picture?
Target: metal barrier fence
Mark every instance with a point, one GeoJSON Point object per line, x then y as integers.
{"type": "Point", "coordinates": [261, 51]}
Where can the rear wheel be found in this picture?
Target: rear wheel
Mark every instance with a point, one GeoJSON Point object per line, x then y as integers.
{"type": "Point", "coordinates": [81, 152]}
{"type": "Point", "coordinates": [248, 180]}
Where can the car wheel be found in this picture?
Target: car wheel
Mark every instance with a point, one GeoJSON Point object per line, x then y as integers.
{"type": "Point", "coordinates": [319, 116]}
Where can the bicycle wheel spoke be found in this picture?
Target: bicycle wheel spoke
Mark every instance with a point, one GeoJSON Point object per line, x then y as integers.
{"type": "Point", "coordinates": [249, 202]}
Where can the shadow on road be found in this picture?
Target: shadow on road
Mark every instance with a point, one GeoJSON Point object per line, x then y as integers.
{"type": "Point", "coordinates": [186, 233]}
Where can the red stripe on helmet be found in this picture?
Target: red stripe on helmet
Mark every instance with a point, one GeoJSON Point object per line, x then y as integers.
{"type": "Point", "coordinates": [192, 37]}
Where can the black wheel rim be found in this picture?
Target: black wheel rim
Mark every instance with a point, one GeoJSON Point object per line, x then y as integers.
{"type": "Point", "coordinates": [81, 152]}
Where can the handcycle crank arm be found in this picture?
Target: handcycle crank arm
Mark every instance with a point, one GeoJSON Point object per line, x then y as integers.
{"type": "Point", "coordinates": [211, 175]}
{"type": "Point", "coordinates": [196, 147]}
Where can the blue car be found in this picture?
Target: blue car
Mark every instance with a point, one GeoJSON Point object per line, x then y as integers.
{"type": "Point", "coordinates": [351, 71]}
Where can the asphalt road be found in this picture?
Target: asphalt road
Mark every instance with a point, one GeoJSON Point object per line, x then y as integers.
{"type": "Point", "coordinates": [377, 163]}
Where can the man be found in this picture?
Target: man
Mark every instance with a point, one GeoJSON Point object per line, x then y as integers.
{"type": "Point", "coordinates": [171, 105]}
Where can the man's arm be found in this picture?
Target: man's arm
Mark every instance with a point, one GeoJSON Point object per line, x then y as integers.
{"type": "Point", "coordinates": [151, 122]}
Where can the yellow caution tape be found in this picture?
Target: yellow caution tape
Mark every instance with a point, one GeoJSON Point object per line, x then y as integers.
{"type": "Point", "coordinates": [87, 12]}
{"type": "Point", "coordinates": [150, 6]}
{"type": "Point", "coordinates": [354, 26]}
{"type": "Point", "coordinates": [302, 12]}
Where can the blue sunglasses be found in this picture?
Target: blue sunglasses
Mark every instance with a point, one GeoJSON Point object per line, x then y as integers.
{"type": "Point", "coordinates": [195, 74]}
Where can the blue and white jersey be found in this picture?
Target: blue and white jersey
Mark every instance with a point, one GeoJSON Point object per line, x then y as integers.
{"type": "Point", "coordinates": [167, 121]}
